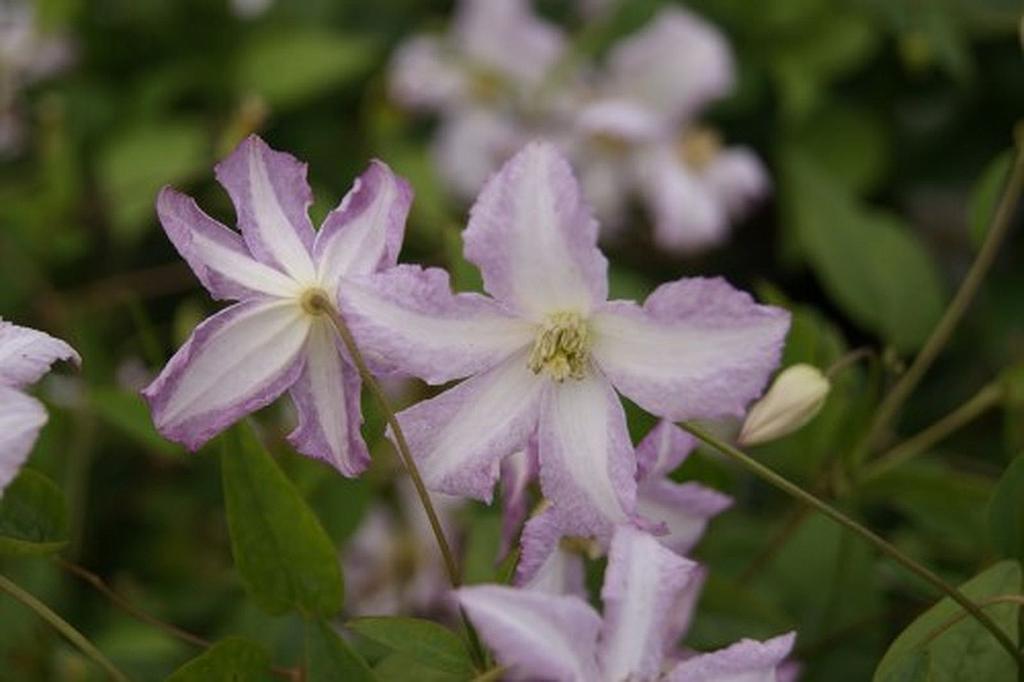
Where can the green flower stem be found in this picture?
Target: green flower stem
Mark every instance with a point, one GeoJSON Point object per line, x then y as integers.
{"type": "Point", "coordinates": [454, 576]}
{"type": "Point", "coordinates": [63, 627]}
{"type": "Point", "coordinates": [842, 519]}
{"type": "Point", "coordinates": [997, 231]}
{"type": "Point", "coordinates": [987, 397]}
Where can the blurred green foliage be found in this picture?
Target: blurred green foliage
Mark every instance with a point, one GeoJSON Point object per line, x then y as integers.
{"type": "Point", "coordinates": [885, 124]}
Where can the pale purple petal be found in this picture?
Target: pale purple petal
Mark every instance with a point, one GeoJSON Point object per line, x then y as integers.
{"type": "Point", "coordinates": [272, 200]}
{"type": "Point", "coordinates": [676, 64]}
{"type": "Point", "coordinates": [471, 144]}
{"type": "Point", "coordinates": [684, 508]}
{"type": "Point", "coordinates": [423, 75]}
{"type": "Point", "coordinates": [327, 397]}
{"type": "Point", "coordinates": [460, 436]}
{"type": "Point", "coordinates": [544, 565]}
{"type": "Point", "coordinates": [27, 354]}
{"type": "Point", "coordinates": [537, 636]}
{"type": "Point", "coordinates": [365, 232]}
{"type": "Point", "coordinates": [642, 585]}
{"type": "Point", "coordinates": [407, 319]}
{"type": "Point", "coordinates": [663, 449]}
{"type": "Point", "coordinates": [688, 216]}
{"type": "Point", "coordinates": [506, 37]}
{"type": "Point", "coordinates": [21, 419]}
{"type": "Point", "coordinates": [236, 362]}
{"type": "Point", "coordinates": [607, 185]}
{"type": "Point", "coordinates": [745, 661]}
{"type": "Point", "coordinates": [533, 237]}
{"type": "Point", "coordinates": [587, 462]}
{"type": "Point", "coordinates": [518, 470]}
{"type": "Point", "coordinates": [217, 254]}
{"type": "Point", "coordinates": [682, 613]}
{"type": "Point", "coordinates": [620, 120]}
{"type": "Point", "coordinates": [739, 180]}
{"type": "Point", "coordinates": [697, 349]}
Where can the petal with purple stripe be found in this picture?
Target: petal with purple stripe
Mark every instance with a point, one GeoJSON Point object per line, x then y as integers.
{"type": "Point", "coordinates": [745, 661]}
{"type": "Point", "coordinates": [27, 354]}
{"type": "Point", "coordinates": [21, 419]}
{"type": "Point", "coordinates": [545, 565]}
{"type": "Point", "coordinates": [662, 450]}
{"type": "Point", "coordinates": [236, 362]}
{"type": "Point", "coordinates": [327, 397]}
{"type": "Point", "coordinates": [697, 349]}
{"type": "Point", "coordinates": [272, 200]}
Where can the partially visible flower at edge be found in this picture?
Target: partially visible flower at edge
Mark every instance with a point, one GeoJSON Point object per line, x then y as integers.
{"type": "Point", "coordinates": [546, 353]}
{"type": "Point", "coordinates": [25, 356]}
{"type": "Point", "coordinates": [648, 594]}
{"type": "Point", "coordinates": [276, 337]}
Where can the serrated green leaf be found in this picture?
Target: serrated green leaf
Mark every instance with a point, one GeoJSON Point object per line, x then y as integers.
{"type": "Point", "coordinates": [329, 657]}
{"type": "Point", "coordinates": [288, 67]}
{"type": "Point", "coordinates": [138, 161]}
{"type": "Point", "coordinates": [283, 554]}
{"type": "Point", "coordinates": [33, 515]}
{"type": "Point", "coordinates": [233, 659]}
{"type": "Point", "coordinates": [1006, 512]}
{"type": "Point", "coordinates": [964, 651]}
{"type": "Point", "coordinates": [868, 261]}
{"type": "Point", "coordinates": [985, 195]}
{"type": "Point", "coordinates": [429, 644]}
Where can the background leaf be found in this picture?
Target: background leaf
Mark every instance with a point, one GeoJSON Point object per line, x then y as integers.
{"type": "Point", "coordinates": [425, 642]}
{"type": "Point", "coordinates": [1006, 512]}
{"type": "Point", "coordinates": [283, 554]}
{"type": "Point", "coordinates": [33, 515]}
{"type": "Point", "coordinates": [233, 659]}
{"type": "Point", "coordinates": [329, 657]}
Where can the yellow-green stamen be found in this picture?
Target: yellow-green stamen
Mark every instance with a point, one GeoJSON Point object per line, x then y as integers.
{"type": "Point", "coordinates": [561, 347]}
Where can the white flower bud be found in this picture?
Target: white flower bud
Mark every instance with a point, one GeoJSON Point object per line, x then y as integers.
{"type": "Point", "coordinates": [794, 399]}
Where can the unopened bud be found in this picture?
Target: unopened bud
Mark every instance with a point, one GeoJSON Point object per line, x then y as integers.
{"type": "Point", "coordinates": [794, 399]}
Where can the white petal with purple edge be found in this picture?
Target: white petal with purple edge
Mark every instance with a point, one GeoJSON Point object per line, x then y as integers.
{"type": "Point", "coordinates": [327, 397]}
{"type": "Point", "coordinates": [408, 320]}
{"type": "Point", "coordinates": [662, 450]}
{"type": "Point", "coordinates": [544, 565]}
{"type": "Point", "coordinates": [684, 508]}
{"type": "Point", "coordinates": [460, 436]}
{"type": "Point", "coordinates": [21, 418]}
{"type": "Point", "coordinates": [537, 636]}
{"type": "Point", "coordinates": [236, 362]}
{"type": "Point", "coordinates": [739, 180]}
{"type": "Point", "coordinates": [423, 76]}
{"type": "Point", "coordinates": [587, 462]}
{"type": "Point", "coordinates": [697, 349]}
{"type": "Point", "coordinates": [216, 254]}
{"type": "Point", "coordinates": [365, 232]}
{"type": "Point", "coordinates": [745, 661]}
{"type": "Point", "coordinates": [641, 586]}
{"type": "Point", "coordinates": [517, 471]}
{"type": "Point", "coordinates": [27, 354]}
{"type": "Point", "coordinates": [272, 200]}
{"type": "Point", "coordinates": [471, 144]}
{"type": "Point", "coordinates": [534, 239]}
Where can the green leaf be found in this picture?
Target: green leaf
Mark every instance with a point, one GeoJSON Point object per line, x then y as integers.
{"type": "Point", "coordinates": [402, 667]}
{"type": "Point", "coordinates": [138, 162]}
{"type": "Point", "coordinates": [233, 659]}
{"type": "Point", "coordinates": [283, 554]}
{"type": "Point", "coordinates": [849, 142]}
{"type": "Point", "coordinates": [1006, 512]}
{"type": "Point", "coordinates": [985, 195]}
{"type": "Point", "coordinates": [127, 412]}
{"type": "Point", "coordinates": [287, 67]}
{"type": "Point", "coordinates": [33, 515]}
{"type": "Point", "coordinates": [868, 261]}
{"type": "Point", "coordinates": [964, 651]}
{"type": "Point", "coordinates": [329, 657]}
{"type": "Point", "coordinates": [422, 641]}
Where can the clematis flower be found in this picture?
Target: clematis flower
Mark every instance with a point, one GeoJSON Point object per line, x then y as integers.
{"type": "Point", "coordinates": [275, 337]}
{"type": "Point", "coordinates": [546, 351]}
{"type": "Point", "coordinates": [648, 590]}
{"type": "Point", "coordinates": [638, 135]}
{"type": "Point", "coordinates": [25, 356]}
{"type": "Point", "coordinates": [552, 560]}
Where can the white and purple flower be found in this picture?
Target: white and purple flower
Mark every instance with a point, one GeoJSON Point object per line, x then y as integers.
{"type": "Point", "coordinates": [280, 271]}
{"type": "Point", "coordinates": [25, 356]}
{"type": "Point", "coordinates": [649, 593]}
{"type": "Point", "coordinates": [545, 353]}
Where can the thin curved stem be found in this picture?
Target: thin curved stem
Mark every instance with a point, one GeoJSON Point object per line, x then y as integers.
{"type": "Point", "coordinates": [985, 603]}
{"type": "Point", "coordinates": [454, 576]}
{"type": "Point", "coordinates": [839, 517]}
{"type": "Point", "coordinates": [63, 627]}
{"type": "Point", "coordinates": [997, 231]}
{"type": "Point", "coordinates": [984, 399]}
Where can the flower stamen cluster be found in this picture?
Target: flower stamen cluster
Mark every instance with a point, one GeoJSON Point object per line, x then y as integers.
{"type": "Point", "coordinates": [561, 348]}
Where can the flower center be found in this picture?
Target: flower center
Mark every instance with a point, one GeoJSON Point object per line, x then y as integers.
{"type": "Point", "coordinates": [561, 347]}
{"type": "Point", "coordinates": [699, 146]}
{"type": "Point", "coordinates": [314, 301]}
